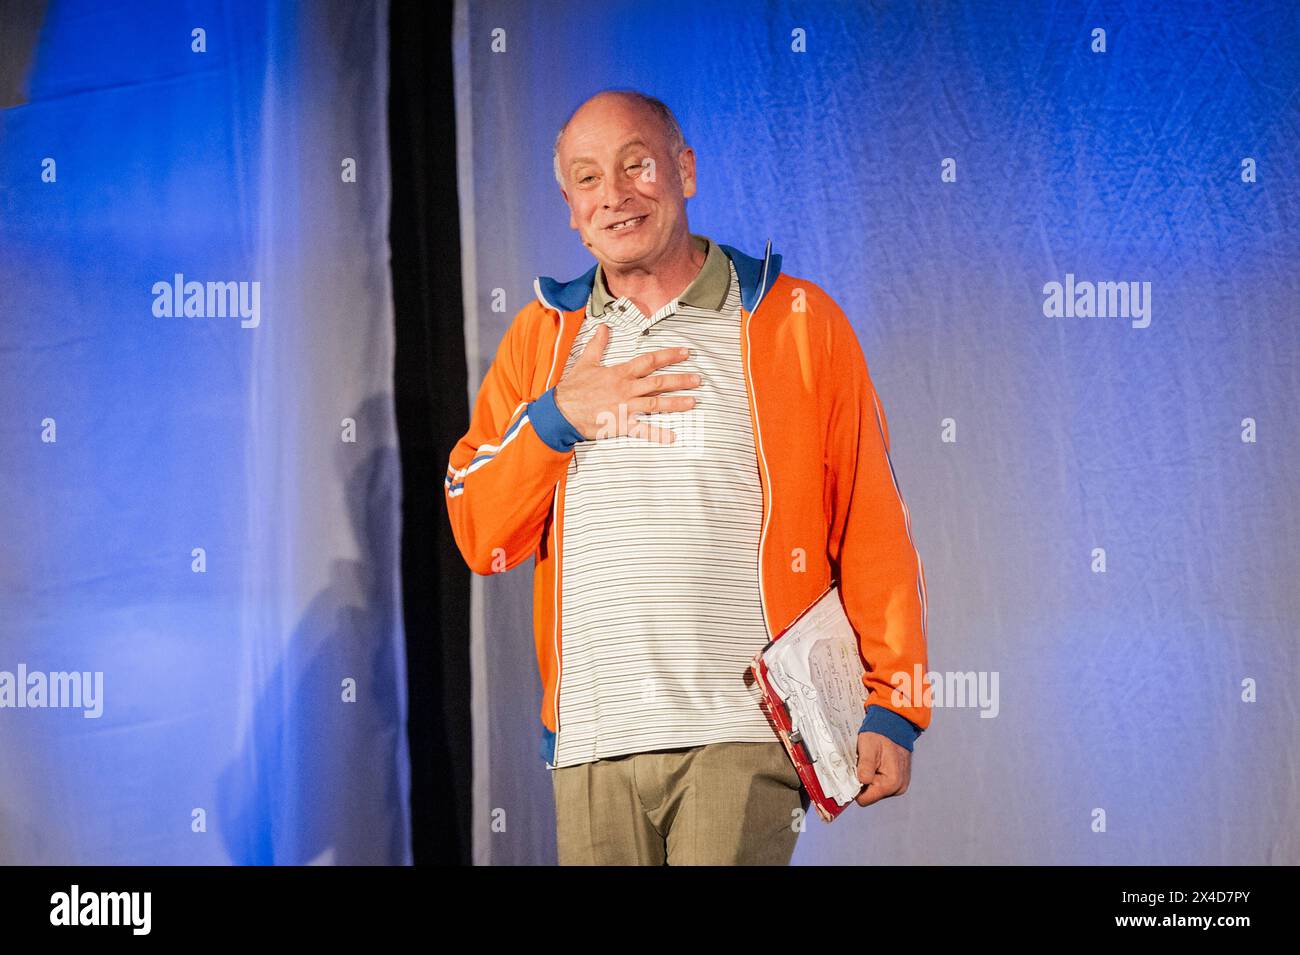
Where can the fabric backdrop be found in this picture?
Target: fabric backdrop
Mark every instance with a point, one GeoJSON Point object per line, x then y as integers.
{"type": "Point", "coordinates": [1104, 505]}
{"type": "Point", "coordinates": [200, 509]}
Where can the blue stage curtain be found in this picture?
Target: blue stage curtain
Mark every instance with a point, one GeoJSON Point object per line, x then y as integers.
{"type": "Point", "coordinates": [200, 504]}
{"type": "Point", "coordinates": [935, 167]}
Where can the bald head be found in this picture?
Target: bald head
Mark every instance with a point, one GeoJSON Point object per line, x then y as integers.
{"type": "Point", "coordinates": [622, 100]}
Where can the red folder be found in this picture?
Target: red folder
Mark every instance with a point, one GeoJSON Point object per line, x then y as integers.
{"type": "Point", "coordinates": [779, 716]}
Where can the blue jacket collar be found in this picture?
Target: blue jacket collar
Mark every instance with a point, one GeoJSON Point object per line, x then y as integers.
{"type": "Point", "coordinates": [757, 276]}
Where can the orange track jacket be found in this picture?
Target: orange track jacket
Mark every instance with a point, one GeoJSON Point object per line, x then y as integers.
{"type": "Point", "coordinates": [832, 508]}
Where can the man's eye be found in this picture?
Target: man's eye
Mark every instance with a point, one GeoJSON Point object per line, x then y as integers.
{"type": "Point", "coordinates": [586, 177]}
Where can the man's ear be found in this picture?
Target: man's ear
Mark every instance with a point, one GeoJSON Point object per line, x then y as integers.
{"type": "Point", "coordinates": [686, 171]}
{"type": "Point", "coordinates": [573, 223]}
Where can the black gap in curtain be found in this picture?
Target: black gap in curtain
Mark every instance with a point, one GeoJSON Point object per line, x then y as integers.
{"type": "Point", "coordinates": [432, 413]}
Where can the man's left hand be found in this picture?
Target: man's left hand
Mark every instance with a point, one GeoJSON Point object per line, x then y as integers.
{"type": "Point", "coordinates": [884, 767]}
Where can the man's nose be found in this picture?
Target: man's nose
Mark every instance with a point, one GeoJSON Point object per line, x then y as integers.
{"type": "Point", "coordinates": [615, 189]}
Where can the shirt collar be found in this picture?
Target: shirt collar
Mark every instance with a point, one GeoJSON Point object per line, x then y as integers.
{"type": "Point", "coordinates": [708, 290]}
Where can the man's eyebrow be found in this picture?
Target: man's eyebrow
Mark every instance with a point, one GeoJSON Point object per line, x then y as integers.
{"type": "Point", "coordinates": [622, 149]}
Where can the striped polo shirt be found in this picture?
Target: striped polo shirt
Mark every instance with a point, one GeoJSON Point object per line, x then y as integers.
{"type": "Point", "coordinates": [661, 611]}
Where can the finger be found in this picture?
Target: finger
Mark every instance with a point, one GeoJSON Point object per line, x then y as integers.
{"type": "Point", "coordinates": [641, 428]}
{"type": "Point", "coordinates": [882, 786]}
{"type": "Point", "coordinates": [642, 365]}
{"type": "Point", "coordinates": [870, 753]}
{"type": "Point", "coordinates": [653, 384]}
{"type": "Point", "coordinates": [595, 349]}
{"type": "Point", "coordinates": [659, 404]}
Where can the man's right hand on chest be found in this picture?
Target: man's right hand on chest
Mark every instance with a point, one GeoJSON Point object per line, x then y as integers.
{"type": "Point", "coordinates": [608, 401]}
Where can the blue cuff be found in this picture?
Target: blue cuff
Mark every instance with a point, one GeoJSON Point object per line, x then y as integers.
{"type": "Point", "coordinates": [551, 425]}
{"type": "Point", "coordinates": [889, 724]}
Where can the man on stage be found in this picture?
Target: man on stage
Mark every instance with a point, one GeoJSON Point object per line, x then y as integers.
{"type": "Point", "coordinates": [688, 444]}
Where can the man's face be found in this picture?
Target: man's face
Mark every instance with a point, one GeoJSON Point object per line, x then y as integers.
{"type": "Point", "coordinates": [614, 157]}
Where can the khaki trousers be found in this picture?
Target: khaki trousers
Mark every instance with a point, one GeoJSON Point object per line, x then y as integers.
{"type": "Point", "coordinates": [718, 804]}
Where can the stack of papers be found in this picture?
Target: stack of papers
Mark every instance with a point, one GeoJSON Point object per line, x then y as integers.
{"type": "Point", "coordinates": [815, 669]}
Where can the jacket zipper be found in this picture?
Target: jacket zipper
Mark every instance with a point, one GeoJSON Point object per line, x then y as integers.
{"type": "Point", "coordinates": [557, 370]}
{"type": "Point", "coordinates": [758, 440]}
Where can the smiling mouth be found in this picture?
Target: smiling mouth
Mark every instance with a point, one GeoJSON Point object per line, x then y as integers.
{"type": "Point", "coordinates": [626, 224]}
